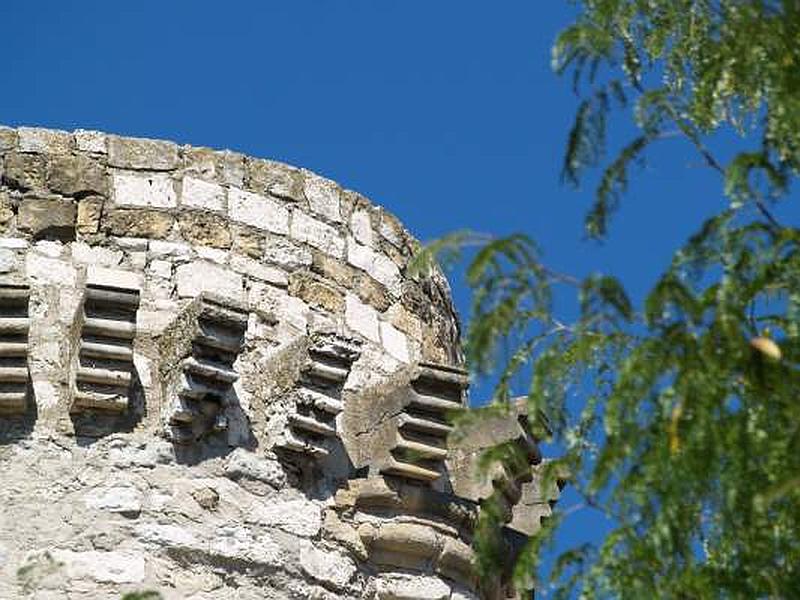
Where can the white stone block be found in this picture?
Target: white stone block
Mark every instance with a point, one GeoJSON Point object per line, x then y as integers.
{"type": "Point", "coordinates": [213, 254]}
{"type": "Point", "coordinates": [362, 318]}
{"type": "Point", "coordinates": [317, 234]}
{"type": "Point", "coordinates": [361, 226]}
{"type": "Point", "coordinates": [395, 342]}
{"type": "Point", "coordinates": [160, 268]}
{"type": "Point", "coordinates": [202, 194]}
{"type": "Point", "coordinates": [287, 254]}
{"type": "Point", "coordinates": [90, 141]}
{"type": "Point", "coordinates": [323, 196]}
{"type": "Point", "coordinates": [380, 267]}
{"type": "Point", "coordinates": [156, 190]}
{"type": "Point", "coordinates": [202, 276]}
{"type": "Point", "coordinates": [163, 249]}
{"type": "Point", "coordinates": [95, 255]}
{"type": "Point", "coordinates": [50, 270]}
{"type": "Point", "coordinates": [258, 211]}
{"type": "Point", "coordinates": [115, 278]}
{"type": "Point", "coordinates": [32, 139]}
{"type": "Point", "coordinates": [50, 248]}
{"type": "Point", "coordinates": [257, 270]}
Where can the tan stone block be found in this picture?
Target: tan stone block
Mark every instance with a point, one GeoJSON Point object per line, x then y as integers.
{"type": "Point", "coordinates": [89, 212]}
{"type": "Point", "coordinates": [247, 240]}
{"type": "Point", "coordinates": [316, 292]}
{"type": "Point", "coordinates": [204, 229]}
{"type": "Point", "coordinates": [48, 218]}
{"type": "Point", "coordinates": [24, 171]}
{"type": "Point", "coordinates": [137, 223]}
{"type": "Point", "coordinates": [137, 153]}
{"type": "Point", "coordinates": [274, 178]}
{"type": "Point", "coordinates": [71, 175]}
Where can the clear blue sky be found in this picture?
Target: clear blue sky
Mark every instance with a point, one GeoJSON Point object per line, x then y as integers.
{"type": "Point", "coordinates": [445, 112]}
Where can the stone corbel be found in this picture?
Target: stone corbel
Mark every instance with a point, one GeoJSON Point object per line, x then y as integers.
{"type": "Point", "coordinates": [14, 324]}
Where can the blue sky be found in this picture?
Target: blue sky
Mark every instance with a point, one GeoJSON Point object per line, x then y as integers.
{"type": "Point", "coordinates": [445, 112]}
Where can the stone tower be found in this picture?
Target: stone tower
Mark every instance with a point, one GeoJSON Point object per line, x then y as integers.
{"type": "Point", "coordinates": [217, 381]}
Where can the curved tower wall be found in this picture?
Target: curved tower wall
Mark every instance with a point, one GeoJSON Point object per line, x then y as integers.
{"type": "Point", "coordinates": [217, 381]}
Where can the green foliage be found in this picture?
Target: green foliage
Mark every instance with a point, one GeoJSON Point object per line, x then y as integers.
{"type": "Point", "coordinates": [679, 419]}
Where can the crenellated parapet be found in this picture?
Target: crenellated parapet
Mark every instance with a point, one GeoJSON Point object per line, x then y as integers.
{"type": "Point", "coordinates": [217, 377]}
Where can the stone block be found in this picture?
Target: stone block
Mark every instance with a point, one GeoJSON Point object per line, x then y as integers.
{"type": "Point", "coordinates": [316, 292]}
{"type": "Point", "coordinates": [224, 167]}
{"type": "Point", "coordinates": [286, 254]}
{"type": "Point", "coordinates": [8, 260]}
{"type": "Point", "coordinates": [8, 139]}
{"type": "Point", "coordinates": [72, 175]}
{"type": "Point", "coordinates": [361, 227]}
{"type": "Point", "coordinates": [173, 250]}
{"type": "Point", "coordinates": [258, 211]}
{"type": "Point", "coordinates": [115, 278]}
{"type": "Point", "coordinates": [103, 567]}
{"type": "Point", "coordinates": [274, 178]}
{"type": "Point", "coordinates": [24, 171]}
{"type": "Point", "coordinates": [361, 318]}
{"type": "Point", "coordinates": [204, 229]}
{"type": "Point", "coordinates": [48, 218]}
{"type": "Point", "coordinates": [155, 190]}
{"type": "Point", "coordinates": [323, 196]}
{"type": "Point", "coordinates": [197, 193]}
{"type": "Point", "coordinates": [137, 223]}
{"type": "Point", "coordinates": [49, 270]}
{"type": "Point", "coordinates": [202, 276]}
{"type": "Point", "coordinates": [257, 270]}
{"type": "Point", "coordinates": [377, 265]}
{"type": "Point", "coordinates": [93, 142]}
{"type": "Point", "coordinates": [395, 342]}
{"type": "Point", "coordinates": [247, 240]}
{"type": "Point", "coordinates": [116, 499]}
{"type": "Point", "coordinates": [317, 234]}
{"type": "Point", "coordinates": [139, 153]}
{"type": "Point", "coordinates": [90, 210]}
{"type": "Point", "coordinates": [49, 141]}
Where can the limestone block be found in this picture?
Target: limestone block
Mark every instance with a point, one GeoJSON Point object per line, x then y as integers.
{"type": "Point", "coordinates": [133, 153]}
{"type": "Point", "coordinates": [323, 196]}
{"type": "Point", "coordinates": [24, 171]}
{"type": "Point", "coordinates": [8, 139]}
{"type": "Point", "coordinates": [173, 250]}
{"type": "Point", "coordinates": [89, 211]}
{"type": "Point", "coordinates": [317, 234]}
{"type": "Point", "coordinates": [327, 566]}
{"type": "Point", "coordinates": [49, 270]}
{"type": "Point", "coordinates": [361, 318]}
{"type": "Point", "coordinates": [274, 178]}
{"type": "Point", "coordinates": [377, 265]}
{"type": "Point", "coordinates": [391, 230]}
{"type": "Point", "coordinates": [202, 194]}
{"type": "Point", "coordinates": [6, 210]}
{"type": "Point", "coordinates": [258, 270]}
{"type": "Point", "coordinates": [137, 223]}
{"type": "Point", "coordinates": [48, 217]}
{"type": "Point", "coordinates": [361, 227]}
{"type": "Point", "coordinates": [93, 142]}
{"type": "Point", "coordinates": [316, 292]}
{"type": "Point", "coordinates": [103, 567]}
{"type": "Point", "coordinates": [155, 190]}
{"type": "Point", "coordinates": [395, 342]}
{"type": "Point", "coordinates": [50, 141]}
{"type": "Point", "coordinates": [204, 229]}
{"type": "Point", "coordinates": [71, 175]}
{"type": "Point", "coordinates": [202, 276]}
{"type": "Point", "coordinates": [258, 211]}
{"type": "Point", "coordinates": [241, 544]}
{"type": "Point", "coordinates": [225, 167]}
{"type": "Point", "coordinates": [8, 260]}
{"type": "Point", "coordinates": [286, 254]}
{"type": "Point", "coordinates": [14, 243]}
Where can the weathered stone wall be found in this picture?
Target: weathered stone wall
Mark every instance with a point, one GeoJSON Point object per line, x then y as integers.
{"type": "Point", "coordinates": [217, 381]}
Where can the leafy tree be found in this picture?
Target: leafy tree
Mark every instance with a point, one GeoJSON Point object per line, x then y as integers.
{"type": "Point", "coordinates": [679, 419]}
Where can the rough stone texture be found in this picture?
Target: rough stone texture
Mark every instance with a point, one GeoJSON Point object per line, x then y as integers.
{"type": "Point", "coordinates": [261, 301]}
